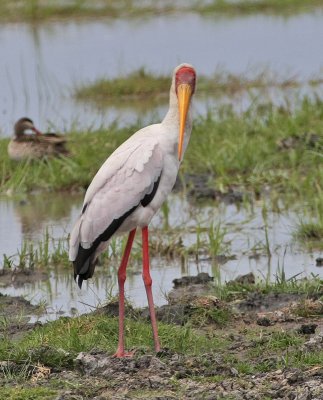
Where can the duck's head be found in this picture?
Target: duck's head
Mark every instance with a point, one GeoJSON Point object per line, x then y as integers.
{"type": "Point", "coordinates": [23, 125]}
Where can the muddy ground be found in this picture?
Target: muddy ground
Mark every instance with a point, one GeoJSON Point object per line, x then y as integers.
{"type": "Point", "coordinates": [171, 375]}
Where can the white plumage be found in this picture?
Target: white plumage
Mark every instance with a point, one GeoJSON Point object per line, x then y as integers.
{"type": "Point", "coordinates": [132, 184]}
{"type": "Point", "coordinates": [128, 175]}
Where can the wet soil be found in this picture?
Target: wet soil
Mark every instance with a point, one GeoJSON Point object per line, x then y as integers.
{"type": "Point", "coordinates": [213, 375]}
{"type": "Point", "coordinates": [15, 314]}
{"type": "Point", "coordinates": [201, 186]}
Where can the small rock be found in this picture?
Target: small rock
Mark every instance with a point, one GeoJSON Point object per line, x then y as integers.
{"type": "Point", "coordinates": [206, 302]}
{"type": "Point", "coordinates": [171, 313]}
{"type": "Point", "coordinates": [156, 381]}
{"type": "Point", "coordinates": [264, 321]}
{"type": "Point", "coordinates": [234, 372]}
{"type": "Point", "coordinates": [200, 278]}
{"type": "Point", "coordinates": [314, 344]}
{"type": "Point", "coordinates": [319, 262]}
{"type": "Point", "coordinates": [156, 364]}
{"type": "Point", "coordinates": [307, 329]}
{"type": "Point", "coordinates": [248, 279]}
{"type": "Point", "coordinates": [8, 366]}
{"type": "Point", "coordinates": [293, 377]}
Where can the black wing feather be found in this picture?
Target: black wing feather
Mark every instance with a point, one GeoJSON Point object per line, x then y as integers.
{"type": "Point", "coordinates": [85, 261]}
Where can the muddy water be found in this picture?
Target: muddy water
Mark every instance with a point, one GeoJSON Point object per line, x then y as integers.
{"type": "Point", "coordinates": [40, 65]}
{"type": "Point", "coordinates": [245, 238]}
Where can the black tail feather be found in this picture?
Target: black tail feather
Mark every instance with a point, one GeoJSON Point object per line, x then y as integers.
{"type": "Point", "coordinates": [85, 261]}
{"type": "Point", "coordinates": [84, 265]}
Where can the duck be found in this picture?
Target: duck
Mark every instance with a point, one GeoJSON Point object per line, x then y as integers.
{"type": "Point", "coordinates": [36, 145]}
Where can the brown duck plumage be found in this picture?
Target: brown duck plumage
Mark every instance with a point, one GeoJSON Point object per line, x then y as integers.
{"type": "Point", "coordinates": [36, 145]}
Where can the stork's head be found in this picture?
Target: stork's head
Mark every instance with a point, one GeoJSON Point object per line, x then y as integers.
{"type": "Point", "coordinates": [23, 125]}
{"type": "Point", "coordinates": [185, 78]}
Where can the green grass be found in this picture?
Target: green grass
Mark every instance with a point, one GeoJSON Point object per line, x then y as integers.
{"type": "Point", "coordinates": [139, 83]}
{"type": "Point", "coordinates": [21, 393]}
{"type": "Point", "coordinates": [47, 252]}
{"type": "Point", "coordinates": [89, 150]}
{"type": "Point", "coordinates": [243, 150]}
{"type": "Point", "coordinates": [260, 6]}
{"type": "Point", "coordinates": [286, 347]}
{"type": "Point", "coordinates": [310, 231]}
{"type": "Point", "coordinates": [148, 87]}
{"type": "Point", "coordinates": [205, 316]}
{"type": "Point", "coordinates": [57, 343]}
{"type": "Point", "coordinates": [42, 10]}
{"type": "Point", "coordinates": [235, 150]}
{"type": "Point", "coordinates": [307, 287]}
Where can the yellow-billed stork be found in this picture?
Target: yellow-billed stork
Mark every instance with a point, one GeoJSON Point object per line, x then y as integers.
{"type": "Point", "coordinates": [129, 189]}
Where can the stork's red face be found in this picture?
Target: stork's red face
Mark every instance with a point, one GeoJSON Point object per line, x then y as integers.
{"type": "Point", "coordinates": [185, 75]}
{"type": "Point", "coordinates": [185, 86]}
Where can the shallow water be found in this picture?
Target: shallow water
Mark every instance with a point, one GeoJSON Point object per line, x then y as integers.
{"type": "Point", "coordinates": [245, 237]}
{"type": "Point", "coordinates": [41, 64]}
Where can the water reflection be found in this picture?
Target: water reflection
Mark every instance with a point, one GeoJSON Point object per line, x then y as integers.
{"type": "Point", "coordinates": [245, 236]}
{"type": "Point", "coordinates": [40, 65]}
{"type": "Point", "coordinates": [28, 217]}
{"type": "Point", "coordinates": [36, 212]}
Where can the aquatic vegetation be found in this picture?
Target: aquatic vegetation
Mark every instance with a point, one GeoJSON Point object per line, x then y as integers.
{"type": "Point", "coordinates": [259, 6]}
{"type": "Point", "coordinates": [40, 10]}
{"type": "Point", "coordinates": [46, 253]}
{"type": "Point", "coordinates": [139, 83]}
{"type": "Point", "coordinates": [146, 86]}
{"type": "Point", "coordinates": [310, 231]}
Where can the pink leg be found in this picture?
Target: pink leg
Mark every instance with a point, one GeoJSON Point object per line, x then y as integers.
{"type": "Point", "coordinates": [121, 280]}
{"type": "Point", "coordinates": [148, 281]}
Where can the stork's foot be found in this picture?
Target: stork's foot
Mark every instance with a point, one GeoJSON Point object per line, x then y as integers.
{"type": "Point", "coordinates": [123, 354]}
{"type": "Point", "coordinates": [157, 347]}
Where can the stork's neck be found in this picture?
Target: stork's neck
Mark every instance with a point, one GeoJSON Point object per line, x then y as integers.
{"type": "Point", "coordinates": [171, 120]}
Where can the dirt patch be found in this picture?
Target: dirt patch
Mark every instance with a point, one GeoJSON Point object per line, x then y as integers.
{"type": "Point", "coordinates": [19, 277]}
{"type": "Point", "coordinates": [174, 376]}
{"type": "Point", "coordinates": [265, 330]}
{"type": "Point", "coordinates": [16, 313]}
{"type": "Point", "coordinates": [259, 302]}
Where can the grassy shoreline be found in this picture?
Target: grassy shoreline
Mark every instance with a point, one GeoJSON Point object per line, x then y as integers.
{"type": "Point", "coordinates": [239, 347]}
{"type": "Point", "coordinates": [37, 11]}
{"type": "Point", "coordinates": [143, 85]}
{"type": "Point", "coordinates": [263, 147]}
